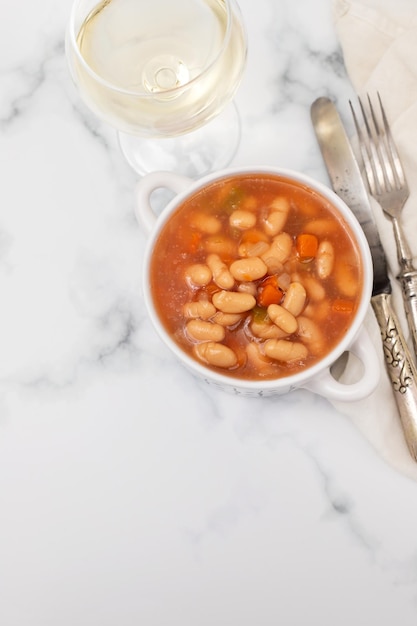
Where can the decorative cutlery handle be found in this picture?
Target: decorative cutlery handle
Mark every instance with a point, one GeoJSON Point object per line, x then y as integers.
{"type": "Point", "coordinates": [407, 278]}
{"type": "Point", "coordinates": [408, 282]}
{"type": "Point", "coordinates": [400, 367]}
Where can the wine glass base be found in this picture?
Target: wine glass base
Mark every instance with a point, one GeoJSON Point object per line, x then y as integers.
{"type": "Point", "coordinates": [207, 149]}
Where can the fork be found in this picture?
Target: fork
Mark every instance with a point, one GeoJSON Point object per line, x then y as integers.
{"type": "Point", "coordinates": [386, 181]}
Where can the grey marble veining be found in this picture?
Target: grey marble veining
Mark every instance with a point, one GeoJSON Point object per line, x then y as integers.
{"type": "Point", "coordinates": [130, 493]}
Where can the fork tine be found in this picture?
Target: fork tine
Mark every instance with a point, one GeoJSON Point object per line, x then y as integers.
{"type": "Point", "coordinates": [383, 168]}
{"type": "Point", "coordinates": [382, 148]}
{"type": "Point", "coordinates": [396, 165]}
{"type": "Point", "coordinates": [379, 156]}
{"type": "Point", "coordinates": [365, 146]}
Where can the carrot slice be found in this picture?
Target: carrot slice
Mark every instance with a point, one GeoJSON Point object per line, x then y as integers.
{"type": "Point", "coordinates": [307, 246]}
{"type": "Point", "coordinates": [269, 292]}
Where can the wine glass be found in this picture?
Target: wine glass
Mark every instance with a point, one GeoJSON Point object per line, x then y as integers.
{"type": "Point", "coordinates": [164, 74]}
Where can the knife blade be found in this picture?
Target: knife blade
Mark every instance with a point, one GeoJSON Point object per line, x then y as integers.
{"type": "Point", "coordinates": [346, 180]}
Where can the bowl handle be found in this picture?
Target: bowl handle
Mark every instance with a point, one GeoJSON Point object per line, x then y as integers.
{"type": "Point", "coordinates": [144, 212]}
{"type": "Point", "coordinates": [326, 385]}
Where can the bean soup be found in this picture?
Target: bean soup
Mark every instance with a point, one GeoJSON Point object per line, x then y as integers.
{"type": "Point", "coordinates": [256, 276]}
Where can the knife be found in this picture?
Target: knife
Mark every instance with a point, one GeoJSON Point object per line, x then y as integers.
{"type": "Point", "coordinates": [347, 182]}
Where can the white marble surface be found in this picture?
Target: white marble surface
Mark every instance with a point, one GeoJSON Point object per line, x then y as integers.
{"type": "Point", "coordinates": [130, 493]}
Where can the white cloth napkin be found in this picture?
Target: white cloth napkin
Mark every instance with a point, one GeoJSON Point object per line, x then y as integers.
{"type": "Point", "coordinates": [379, 44]}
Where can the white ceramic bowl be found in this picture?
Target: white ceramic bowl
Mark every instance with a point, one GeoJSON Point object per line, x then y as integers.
{"type": "Point", "coordinates": [316, 378]}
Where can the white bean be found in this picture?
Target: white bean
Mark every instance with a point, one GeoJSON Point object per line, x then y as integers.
{"type": "Point", "coordinates": [280, 203]}
{"type": "Point", "coordinates": [233, 301]}
{"type": "Point", "coordinates": [243, 220]}
{"type": "Point", "coordinates": [311, 334]}
{"type": "Point", "coordinates": [221, 274]}
{"type": "Point", "coordinates": [318, 311]}
{"type": "Point", "coordinates": [217, 354]}
{"type": "Point", "coordinates": [295, 298]}
{"type": "Point", "coordinates": [285, 350]}
{"type": "Point", "coordinates": [248, 288]}
{"type": "Point", "coordinates": [280, 248]}
{"type": "Point", "coordinates": [325, 259]}
{"type": "Point", "coordinates": [221, 245]}
{"type": "Point", "coordinates": [205, 223]}
{"type": "Point", "coordinates": [198, 274]}
{"type": "Point", "coordinates": [277, 216]}
{"type": "Point", "coordinates": [200, 330]}
{"type": "Point", "coordinates": [314, 288]}
{"type": "Point", "coordinates": [264, 330]}
{"type": "Point", "coordinates": [202, 309]}
{"type": "Point", "coordinates": [346, 278]}
{"type": "Point", "coordinates": [259, 361]}
{"type": "Point", "coordinates": [227, 319]}
{"type": "Point", "coordinates": [248, 269]}
{"type": "Point", "coordinates": [282, 318]}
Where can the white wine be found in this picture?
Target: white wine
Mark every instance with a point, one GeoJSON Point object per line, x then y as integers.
{"type": "Point", "coordinates": [159, 68]}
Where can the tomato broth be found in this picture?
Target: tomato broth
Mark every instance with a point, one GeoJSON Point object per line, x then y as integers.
{"type": "Point", "coordinates": [256, 276]}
